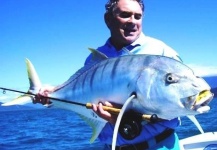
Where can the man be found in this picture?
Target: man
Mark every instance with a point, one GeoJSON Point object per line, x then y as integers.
{"type": "Point", "coordinates": [124, 20]}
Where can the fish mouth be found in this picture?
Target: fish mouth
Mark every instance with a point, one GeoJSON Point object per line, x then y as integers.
{"type": "Point", "coordinates": [199, 102]}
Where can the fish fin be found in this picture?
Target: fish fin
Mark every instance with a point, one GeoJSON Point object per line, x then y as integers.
{"type": "Point", "coordinates": [96, 125]}
{"type": "Point", "coordinates": [196, 123]}
{"type": "Point", "coordinates": [96, 58]}
{"type": "Point", "coordinates": [35, 85]}
{"type": "Point", "coordinates": [34, 81]}
{"type": "Point", "coordinates": [21, 100]}
{"type": "Point", "coordinates": [97, 55]}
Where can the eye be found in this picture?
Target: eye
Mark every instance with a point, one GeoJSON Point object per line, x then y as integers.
{"type": "Point", "coordinates": [171, 78]}
{"type": "Point", "coordinates": [138, 16]}
{"type": "Point", "coordinates": [125, 15]}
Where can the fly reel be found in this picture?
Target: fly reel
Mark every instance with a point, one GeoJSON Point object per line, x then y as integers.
{"type": "Point", "coordinates": [130, 126]}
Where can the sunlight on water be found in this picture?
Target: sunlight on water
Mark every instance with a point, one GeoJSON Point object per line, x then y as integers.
{"type": "Point", "coordinates": [197, 124]}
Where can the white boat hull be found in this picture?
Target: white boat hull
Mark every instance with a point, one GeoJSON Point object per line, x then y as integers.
{"type": "Point", "coordinates": [205, 141]}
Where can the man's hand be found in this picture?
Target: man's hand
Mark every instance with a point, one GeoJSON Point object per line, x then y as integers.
{"type": "Point", "coordinates": [42, 95]}
{"type": "Point", "coordinates": [104, 114]}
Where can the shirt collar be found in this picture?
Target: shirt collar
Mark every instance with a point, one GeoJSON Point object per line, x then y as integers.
{"type": "Point", "coordinates": [140, 40]}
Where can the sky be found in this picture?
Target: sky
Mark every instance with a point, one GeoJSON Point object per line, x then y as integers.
{"type": "Point", "coordinates": [55, 35]}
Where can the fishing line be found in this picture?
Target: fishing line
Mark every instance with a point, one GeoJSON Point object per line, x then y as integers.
{"type": "Point", "coordinates": [118, 121]}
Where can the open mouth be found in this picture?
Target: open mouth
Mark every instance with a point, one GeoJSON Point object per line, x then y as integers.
{"type": "Point", "coordinates": [200, 101]}
{"type": "Point", "coordinates": [129, 30]}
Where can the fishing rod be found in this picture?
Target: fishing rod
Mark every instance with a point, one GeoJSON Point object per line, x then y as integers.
{"type": "Point", "coordinates": [87, 105]}
{"type": "Point", "coordinates": [28, 93]}
{"type": "Point", "coordinates": [116, 111]}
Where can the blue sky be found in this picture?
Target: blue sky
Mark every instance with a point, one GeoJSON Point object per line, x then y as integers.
{"type": "Point", "coordinates": [55, 35]}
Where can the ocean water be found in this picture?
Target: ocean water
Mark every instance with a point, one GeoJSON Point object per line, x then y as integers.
{"type": "Point", "coordinates": [51, 129]}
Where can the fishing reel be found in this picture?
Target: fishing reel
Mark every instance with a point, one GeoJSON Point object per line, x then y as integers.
{"type": "Point", "coordinates": [130, 126]}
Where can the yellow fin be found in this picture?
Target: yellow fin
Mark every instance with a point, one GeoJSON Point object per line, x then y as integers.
{"type": "Point", "coordinates": [96, 125]}
{"type": "Point", "coordinates": [97, 55]}
{"type": "Point", "coordinates": [34, 81]}
{"type": "Point", "coordinates": [21, 100]}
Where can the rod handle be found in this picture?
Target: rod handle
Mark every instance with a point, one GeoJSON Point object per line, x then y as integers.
{"type": "Point", "coordinates": [106, 108]}
{"type": "Point", "coordinates": [117, 111]}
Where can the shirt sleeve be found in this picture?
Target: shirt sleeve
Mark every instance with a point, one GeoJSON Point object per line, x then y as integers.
{"type": "Point", "coordinates": [169, 52]}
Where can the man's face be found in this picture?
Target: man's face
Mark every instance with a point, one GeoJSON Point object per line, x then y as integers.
{"type": "Point", "coordinates": [126, 23]}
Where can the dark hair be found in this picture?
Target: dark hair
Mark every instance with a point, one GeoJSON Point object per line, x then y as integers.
{"type": "Point", "coordinates": [111, 3]}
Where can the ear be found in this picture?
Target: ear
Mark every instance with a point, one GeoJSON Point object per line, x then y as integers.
{"type": "Point", "coordinates": [107, 19]}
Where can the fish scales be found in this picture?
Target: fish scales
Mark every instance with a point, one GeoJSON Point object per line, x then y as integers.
{"type": "Point", "coordinates": [109, 78]}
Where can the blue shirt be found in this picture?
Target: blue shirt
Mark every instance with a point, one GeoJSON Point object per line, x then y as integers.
{"type": "Point", "coordinates": [143, 45]}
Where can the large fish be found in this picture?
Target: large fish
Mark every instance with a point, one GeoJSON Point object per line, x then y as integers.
{"type": "Point", "coordinates": [162, 85]}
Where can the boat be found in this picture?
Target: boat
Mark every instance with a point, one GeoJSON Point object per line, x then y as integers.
{"type": "Point", "coordinates": [203, 141]}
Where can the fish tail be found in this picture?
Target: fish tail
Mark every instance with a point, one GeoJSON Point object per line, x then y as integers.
{"type": "Point", "coordinates": [35, 85]}
{"type": "Point", "coordinates": [34, 81]}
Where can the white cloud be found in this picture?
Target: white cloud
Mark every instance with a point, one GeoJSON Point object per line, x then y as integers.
{"type": "Point", "coordinates": [201, 70]}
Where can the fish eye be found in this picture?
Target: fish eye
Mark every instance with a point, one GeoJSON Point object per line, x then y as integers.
{"type": "Point", "coordinates": [171, 78]}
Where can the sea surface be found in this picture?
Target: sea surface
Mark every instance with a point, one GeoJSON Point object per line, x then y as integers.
{"type": "Point", "coordinates": [51, 129]}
